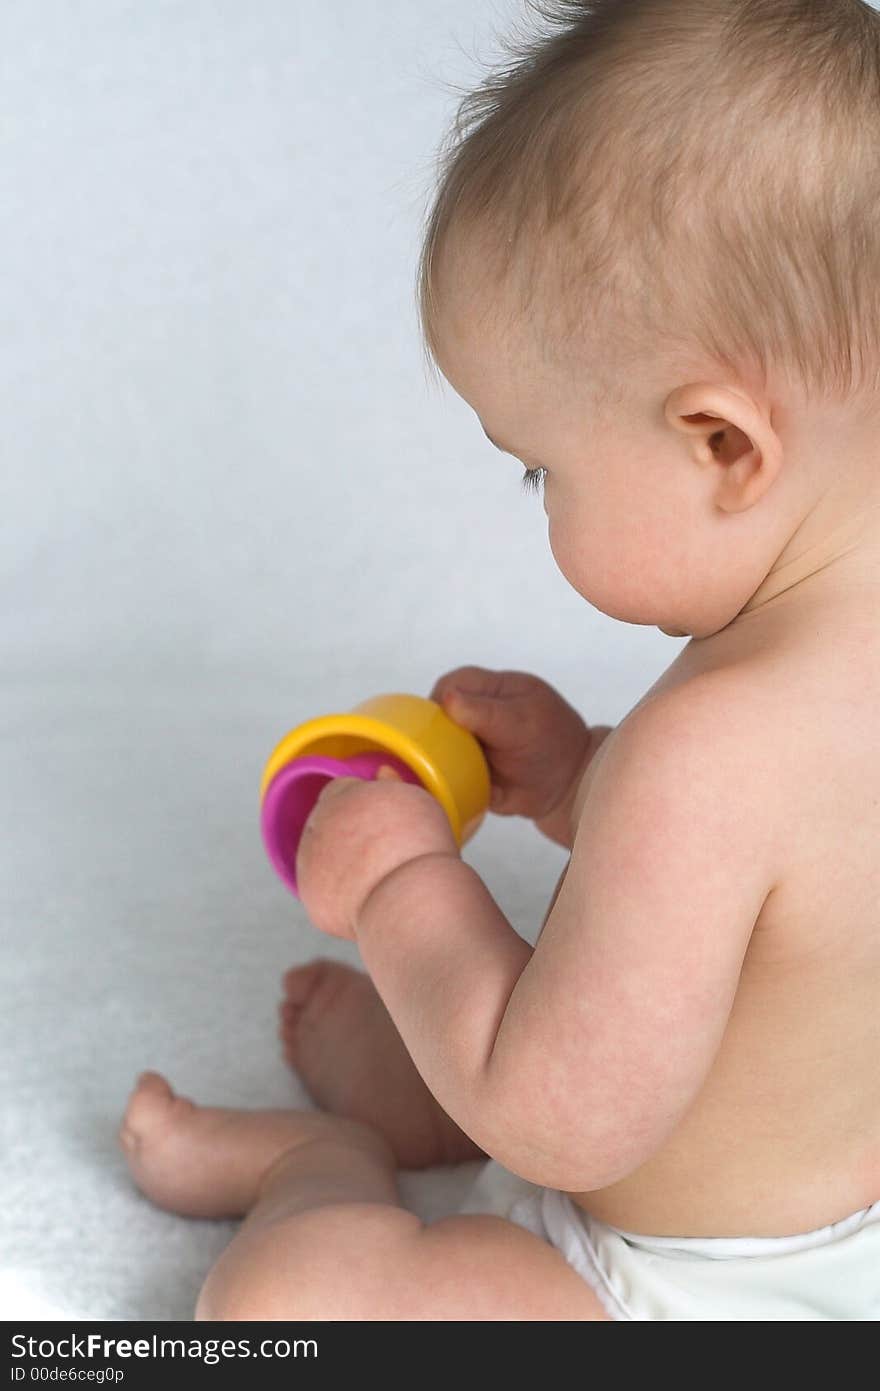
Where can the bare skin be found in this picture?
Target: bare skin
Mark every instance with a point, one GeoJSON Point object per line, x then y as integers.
{"type": "Point", "coordinates": [690, 1049]}
{"type": "Point", "coordinates": [795, 932]}
{"type": "Point", "coordinates": [319, 1197]}
{"type": "Point", "coordinates": [788, 1120]}
{"type": "Point", "coordinates": [340, 1040]}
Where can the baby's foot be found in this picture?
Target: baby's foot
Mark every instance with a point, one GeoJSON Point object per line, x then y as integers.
{"type": "Point", "coordinates": [339, 1038]}
{"type": "Point", "coordinates": [204, 1161]}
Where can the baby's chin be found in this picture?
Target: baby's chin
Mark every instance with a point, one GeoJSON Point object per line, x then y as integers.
{"type": "Point", "coordinates": [674, 632]}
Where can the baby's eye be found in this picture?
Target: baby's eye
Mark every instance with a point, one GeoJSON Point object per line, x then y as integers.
{"type": "Point", "coordinates": [533, 480]}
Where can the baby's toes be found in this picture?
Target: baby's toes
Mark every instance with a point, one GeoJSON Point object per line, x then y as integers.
{"type": "Point", "coordinates": [152, 1110]}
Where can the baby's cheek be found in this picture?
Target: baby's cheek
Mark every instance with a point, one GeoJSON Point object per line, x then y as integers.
{"type": "Point", "coordinates": [584, 552]}
{"type": "Point", "coordinates": [606, 564]}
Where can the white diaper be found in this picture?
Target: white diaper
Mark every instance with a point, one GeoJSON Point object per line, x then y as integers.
{"type": "Point", "coordinates": [833, 1273]}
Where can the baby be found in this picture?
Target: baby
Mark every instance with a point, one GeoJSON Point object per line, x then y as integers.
{"type": "Point", "coordinates": [653, 270]}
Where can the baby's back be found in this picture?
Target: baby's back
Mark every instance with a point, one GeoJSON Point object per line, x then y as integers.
{"type": "Point", "coordinates": [785, 1134]}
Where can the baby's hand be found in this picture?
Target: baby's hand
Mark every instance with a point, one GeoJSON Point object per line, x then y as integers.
{"type": "Point", "coordinates": [357, 833]}
{"type": "Point", "coordinates": [535, 743]}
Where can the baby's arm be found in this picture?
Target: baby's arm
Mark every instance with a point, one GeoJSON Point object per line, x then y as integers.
{"type": "Point", "coordinates": [573, 1062]}
{"type": "Point", "coordinates": [561, 824]}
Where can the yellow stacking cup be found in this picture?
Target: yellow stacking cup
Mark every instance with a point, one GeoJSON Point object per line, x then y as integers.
{"type": "Point", "coordinates": [445, 758]}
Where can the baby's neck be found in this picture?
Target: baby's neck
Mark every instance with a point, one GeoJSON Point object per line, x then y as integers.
{"type": "Point", "coordinates": [821, 560]}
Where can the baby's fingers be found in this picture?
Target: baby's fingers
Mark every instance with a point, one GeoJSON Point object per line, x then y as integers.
{"type": "Point", "coordinates": [478, 680]}
{"type": "Point", "coordinates": [494, 722]}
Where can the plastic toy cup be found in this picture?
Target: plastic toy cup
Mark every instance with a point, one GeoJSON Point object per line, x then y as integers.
{"type": "Point", "coordinates": [412, 734]}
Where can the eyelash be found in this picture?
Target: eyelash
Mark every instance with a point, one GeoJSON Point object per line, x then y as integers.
{"type": "Point", "coordinates": [533, 480]}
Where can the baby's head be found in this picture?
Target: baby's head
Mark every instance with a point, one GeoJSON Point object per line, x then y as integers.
{"type": "Point", "coordinates": [652, 267]}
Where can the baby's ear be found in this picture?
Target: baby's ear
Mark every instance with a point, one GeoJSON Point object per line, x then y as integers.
{"type": "Point", "coordinates": [733, 437]}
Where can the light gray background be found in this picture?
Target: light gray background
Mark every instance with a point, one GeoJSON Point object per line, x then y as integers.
{"type": "Point", "coordinates": [231, 500]}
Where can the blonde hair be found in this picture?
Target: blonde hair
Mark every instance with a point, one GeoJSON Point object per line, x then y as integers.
{"type": "Point", "coordinates": [705, 172]}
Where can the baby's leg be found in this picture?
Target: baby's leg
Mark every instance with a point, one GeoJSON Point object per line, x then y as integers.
{"type": "Point", "coordinates": [340, 1039]}
{"type": "Point", "coordinates": [325, 1237]}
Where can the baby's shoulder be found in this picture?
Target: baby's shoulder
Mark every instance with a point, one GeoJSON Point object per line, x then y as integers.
{"type": "Point", "coordinates": [759, 709]}
{"type": "Point", "coordinates": [709, 738]}
{"type": "Point", "coordinates": [718, 714]}
{"type": "Point", "coordinates": [767, 734]}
